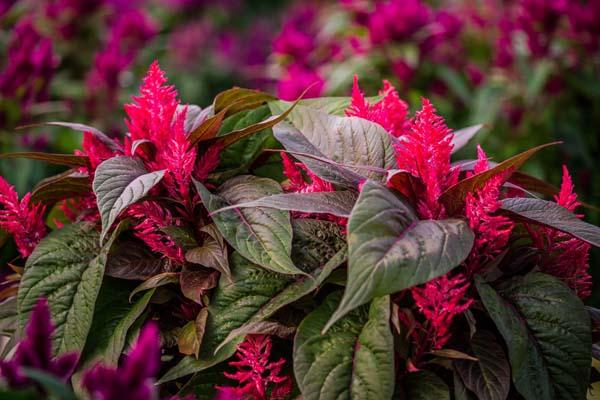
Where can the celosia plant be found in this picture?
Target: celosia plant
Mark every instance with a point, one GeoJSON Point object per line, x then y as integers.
{"type": "Point", "coordinates": [330, 248]}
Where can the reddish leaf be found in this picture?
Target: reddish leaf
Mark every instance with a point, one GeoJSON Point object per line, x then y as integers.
{"type": "Point", "coordinates": [69, 160]}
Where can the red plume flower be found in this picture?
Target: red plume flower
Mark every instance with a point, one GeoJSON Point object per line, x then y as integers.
{"type": "Point", "coordinates": [390, 112]}
{"type": "Point", "coordinates": [22, 219]}
{"type": "Point", "coordinates": [425, 151]}
{"type": "Point", "coordinates": [440, 300]}
{"type": "Point", "coordinates": [492, 231]}
{"type": "Point", "coordinates": [568, 256]}
{"type": "Point", "coordinates": [256, 374]}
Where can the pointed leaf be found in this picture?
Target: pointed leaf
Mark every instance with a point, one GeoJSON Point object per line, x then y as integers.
{"type": "Point", "coordinates": [119, 182]}
{"type": "Point", "coordinates": [208, 129]}
{"type": "Point", "coordinates": [547, 332]}
{"type": "Point", "coordinates": [159, 280]}
{"type": "Point", "coordinates": [389, 250]}
{"type": "Point", "coordinates": [101, 136]}
{"type": "Point", "coordinates": [550, 214]}
{"type": "Point", "coordinates": [292, 292]}
{"type": "Point", "coordinates": [232, 304]}
{"type": "Point", "coordinates": [239, 99]}
{"type": "Point", "coordinates": [69, 160]}
{"type": "Point", "coordinates": [454, 197]}
{"type": "Point", "coordinates": [353, 360]}
{"type": "Point", "coordinates": [131, 259]}
{"type": "Point", "coordinates": [462, 136]}
{"type": "Point", "coordinates": [335, 203]}
{"type": "Point", "coordinates": [67, 268]}
{"type": "Point", "coordinates": [69, 184]}
{"type": "Point", "coordinates": [489, 375]}
{"type": "Point", "coordinates": [262, 235]}
{"type": "Point", "coordinates": [113, 317]}
{"type": "Point", "coordinates": [212, 253]}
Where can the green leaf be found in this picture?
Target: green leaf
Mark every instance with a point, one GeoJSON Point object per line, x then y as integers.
{"type": "Point", "coordinates": [329, 105]}
{"type": "Point", "coordinates": [291, 293]}
{"type": "Point", "coordinates": [239, 99]}
{"type": "Point", "coordinates": [262, 235]}
{"type": "Point", "coordinates": [119, 182]}
{"type": "Point", "coordinates": [547, 332]}
{"type": "Point", "coordinates": [489, 376]}
{"type": "Point", "coordinates": [159, 280]}
{"type": "Point", "coordinates": [338, 203]}
{"type": "Point", "coordinates": [425, 385]}
{"type": "Point", "coordinates": [69, 160]}
{"type": "Point", "coordinates": [66, 268]}
{"type": "Point", "coordinates": [350, 141]}
{"type": "Point", "coordinates": [315, 242]}
{"type": "Point", "coordinates": [66, 185]}
{"type": "Point", "coordinates": [113, 317]}
{"type": "Point", "coordinates": [553, 215]}
{"type": "Point", "coordinates": [231, 306]}
{"type": "Point", "coordinates": [353, 360]}
{"type": "Point", "coordinates": [454, 197]}
{"type": "Point", "coordinates": [389, 250]}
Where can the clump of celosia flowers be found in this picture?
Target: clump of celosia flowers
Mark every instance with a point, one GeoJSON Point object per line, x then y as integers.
{"type": "Point", "coordinates": [259, 249]}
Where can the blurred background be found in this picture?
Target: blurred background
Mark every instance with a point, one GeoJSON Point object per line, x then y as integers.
{"type": "Point", "coordinates": [528, 69]}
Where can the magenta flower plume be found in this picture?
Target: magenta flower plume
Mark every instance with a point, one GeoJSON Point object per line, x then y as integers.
{"type": "Point", "coordinates": [155, 117]}
{"type": "Point", "coordinates": [425, 151]}
{"type": "Point", "coordinates": [153, 219]}
{"type": "Point", "coordinates": [35, 351]}
{"type": "Point", "coordinates": [492, 231]}
{"type": "Point", "coordinates": [567, 257]}
{"type": "Point", "coordinates": [440, 300]}
{"type": "Point", "coordinates": [256, 374]}
{"type": "Point", "coordinates": [22, 219]}
{"type": "Point", "coordinates": [30, 66]}
{"type": "Point", "coordinates": [390, 112]}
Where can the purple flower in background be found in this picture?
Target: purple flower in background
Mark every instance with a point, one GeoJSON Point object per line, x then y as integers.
{"type": "Point", "coordinates": [445, 28]}
{"type": "Point", "coordinates": [30, 66]}
{"type": "Point", "coordinates": [35, 351]}
{"type": "Point", "coordinates": [296, 80]}
{"type": "Point", "coordinates": [397, 20]}
{"type": "Point", "coordinates": [5, 6]}
{"type": "Point", "coordinates": [134, 378]}
{"type": "Point", "coordinates": [584, 18]}
{"type": "Point", "coordinates": [539, 19]}
{"type": "Point", "coordinates": [129, 32]}
{"type": "Point", "coordinates": [297, 37]}
{"type": "Point", "coordinates": [504, 47]}
{"type": "Point", "coordinates": [188, 42]}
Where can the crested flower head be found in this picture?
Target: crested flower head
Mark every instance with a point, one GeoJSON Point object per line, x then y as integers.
{"type": "Point", "coordinates": [390, 112]}
{"type": "Point", "coordinates": [256, 373]}
{"type": "Point", "coordinates": [35, 351]}
{"type": "Point", "coordinates": [440, 300]}
{"type": "Point", "coordinates": [492, 231]}
{"type": "Point", "coordinates": [567, 256]}
{"type": "Point", "coordinates": [424, 151]}
{"type": "Point", "coordinates": [24, 219]}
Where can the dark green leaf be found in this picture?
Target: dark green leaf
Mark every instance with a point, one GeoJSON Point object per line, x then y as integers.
{"type": "Point", "coordinates": [553, 215]}
{"type": "Point", "coordinates": [54, 388]}
{"type": "Point", "coordinates": [292, 292]}
{"type": "Point", "coordinates": [315, 242]}
{"type": "Point", "coordinates": [131, 259]}
{"type": "Point", "coordinates": [231, 306]}
{"type": "Point", "coordinates": [389, 250]}
{"type": "Point", "coordinates": [547, 332]}
{"type": "Point", "coordinates": [425, 385]}
{"type": "Point", "coordinates": [489, 376]}
{"type": "Point", "coordinates": [66, 185]}
{"type": "Point", "coordinates": [67, 268]}
{"type": "Point", "coordinates": [159, 280]}
{"type": "Point", "coordinates": [353, 360]}
{"type": "Point", "coordinates": [118, 183]}
{"type": "Point", "coordinates": [263, 235]}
